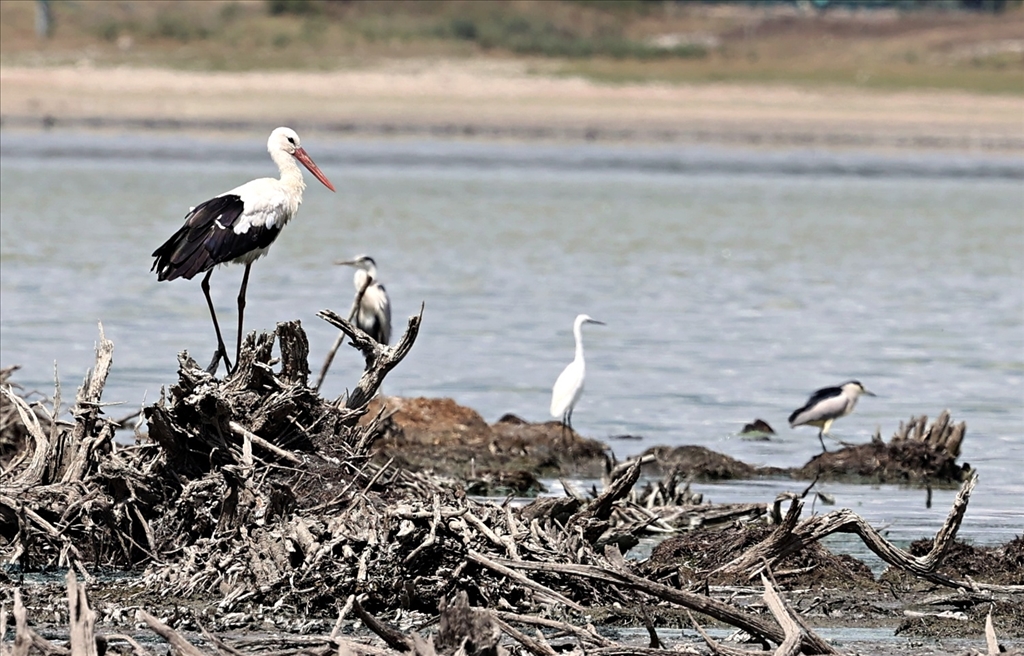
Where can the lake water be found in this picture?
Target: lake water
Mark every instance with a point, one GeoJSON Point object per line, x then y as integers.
{"type": "Point", "coordinates": [733, 283]}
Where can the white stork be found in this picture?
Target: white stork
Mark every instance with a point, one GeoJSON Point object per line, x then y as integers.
{"type": "Point", "coordinates": [373, 316]}
{"type": "Point", "coordinates": [238, 226]}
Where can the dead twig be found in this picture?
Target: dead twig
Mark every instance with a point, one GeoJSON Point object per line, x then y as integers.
{"type": "Point", "coordinates": [990, 636]}
{"type": "Point", "coordinates": [380, 359]}
{"type": "Point", "coordinates": [341, 335]}
{"type": "Point", "coordinates": [175, 639]}
{"type": "Point", "coordinates": [82, 619]}
{"type": "Point", "coordinates": [503, 569]}
{"type": "Point", "coordinates": [789, 538]}
{"type": "Point", "coordinates": [392, 636]}
{"type": "Point", "coordinates": [533, 646]}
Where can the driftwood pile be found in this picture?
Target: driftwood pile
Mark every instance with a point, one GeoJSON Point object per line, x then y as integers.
{"type": "Point", "coordinates": [258, 499]}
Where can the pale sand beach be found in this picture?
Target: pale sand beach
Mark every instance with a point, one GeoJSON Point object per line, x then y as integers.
{"type": "Point", "coordinates": [504, 99]}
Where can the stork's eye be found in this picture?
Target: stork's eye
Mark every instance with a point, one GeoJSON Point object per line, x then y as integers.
{"type": "Point", "coordinates": [291, 141]}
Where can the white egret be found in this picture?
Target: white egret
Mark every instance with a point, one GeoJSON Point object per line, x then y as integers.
{"type": "Point", "coordinates": [569, 385]}
{"type": "Point", "coordinates": [238, 226]}
{"type": "Point", "coordinates": [826, 405]}
{"type": "Point", "coordinates": [373, 316]}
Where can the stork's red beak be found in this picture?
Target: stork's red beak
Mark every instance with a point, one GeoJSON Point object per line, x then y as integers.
{"type": "Point", "coordinates": [300, 154]}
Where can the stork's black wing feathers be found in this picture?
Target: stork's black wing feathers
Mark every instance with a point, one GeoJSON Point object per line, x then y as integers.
{"type": "Point", "coordinates": [208, 239]}
{"type": "Point", "coordinates": [820, 395]}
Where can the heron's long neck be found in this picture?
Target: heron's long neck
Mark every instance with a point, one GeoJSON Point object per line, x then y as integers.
{"type": "Point", "coordinates": [291, 174]}
{"type": "Point", "coordinates": [359, 279]}
{"type": "Point", "coordinates": [577, 332]}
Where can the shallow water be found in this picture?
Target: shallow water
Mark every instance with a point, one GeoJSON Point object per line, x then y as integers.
{"type": "Point", "coordinates": [733, 283]}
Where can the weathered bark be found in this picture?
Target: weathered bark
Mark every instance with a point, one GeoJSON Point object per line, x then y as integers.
{"type": "Point", "coordinates": [175, 639]}
{"type": "Point", "coordinates": [82, 619]}
{"type": "Point", "coordinates": [791, 537]}
{"type": "Point", "coordinates": [341, 335]}
{"type": "Point", "coordinates": [380, 359]}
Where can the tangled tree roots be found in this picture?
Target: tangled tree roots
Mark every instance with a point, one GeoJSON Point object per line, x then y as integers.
{"type": "Point", "coordinates": [253, 492]}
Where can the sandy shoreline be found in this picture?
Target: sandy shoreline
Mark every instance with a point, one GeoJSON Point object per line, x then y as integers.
{"type": "Point", "coordinates": [502, 100]}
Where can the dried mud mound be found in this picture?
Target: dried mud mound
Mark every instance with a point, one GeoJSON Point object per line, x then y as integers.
{"type": "Point", "coordinates": [446, 438]}
{"type": "Point", "coordinates": [699, 463]}
{"type": "Point", "coordinates": [1002, 564]}
{"type": "Point", "coordinates": [917, 453]}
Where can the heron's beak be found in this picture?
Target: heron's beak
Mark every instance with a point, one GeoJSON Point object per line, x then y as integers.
{"type": "Point", "coordinates": [600, 323]}
{"type": "Point", "coordinates": [347, 263]}
{"type": "Point", "coordinates": [870, 393]}
{"type": "Point", "coordinates": [300, 154]}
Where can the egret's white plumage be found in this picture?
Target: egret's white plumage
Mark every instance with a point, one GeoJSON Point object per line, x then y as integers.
{"type": "Point", "coordinates": [238, 226]}
{"type": "Point", "coordinates": [826, 405]}
{"type": "Point", "coordinates": [373, 316]}
{"type": "Point", "coordinates": [569, 385]}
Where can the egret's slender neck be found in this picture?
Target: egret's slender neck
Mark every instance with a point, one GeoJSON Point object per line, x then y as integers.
{"type": "Point", "coordinates": [291, 174]}
{"type": "Point", "coordinates": [577, 332]}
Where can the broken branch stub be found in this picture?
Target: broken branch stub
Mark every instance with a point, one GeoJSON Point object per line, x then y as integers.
{"type": "Point", "coordinates": [788, 539]}
{"type": "Point", "coordinates": [380, 359]}
{"type": "Point", "coordinates": [341, 335]}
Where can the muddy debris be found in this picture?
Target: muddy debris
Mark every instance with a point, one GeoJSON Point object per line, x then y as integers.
{"type": "Point", "coordinates": [511, 455]}
{"type": "Point", "coordinates": [1003, 564]}
{"type": "Point", "coordinates": [702, 464]}
{"type": "Point", "coordinates": [257, 507]}
{"type": "Point", "coordinates": [917, 453]}
{"type": "Point", "coordinates": [694, 558]}
{"type": "Point", "coordinates": [13, 428]}
{"type": "Point", "coordinates": [506, 457]}
{"type": "Point", "coordinates": [943, 613]}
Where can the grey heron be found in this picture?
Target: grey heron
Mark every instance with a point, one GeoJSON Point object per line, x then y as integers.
{"type": "Point", "coordinates": [826, 405]}
{"type": "Point", "coordinates": [373, 316]}
{"type": "Point", "coordinates": [569, 385]}
{"type": "Point", "coordinates": [238, 226]}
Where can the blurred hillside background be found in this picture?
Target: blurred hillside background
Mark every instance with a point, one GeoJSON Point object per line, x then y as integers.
{"type": "Point", "coordinates": [975, 45]}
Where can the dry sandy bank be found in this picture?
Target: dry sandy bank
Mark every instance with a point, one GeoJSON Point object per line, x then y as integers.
{"type": "Point", "coordinates": [503, 100]}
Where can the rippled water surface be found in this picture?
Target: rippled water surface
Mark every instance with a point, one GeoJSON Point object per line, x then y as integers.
{"type": "Point", "coordinates": [733, 284]}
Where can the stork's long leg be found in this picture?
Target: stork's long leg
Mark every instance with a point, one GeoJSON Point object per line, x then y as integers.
{"type": "Point", "coordinates": [241, 310]}
{"type": "Point", "coordinates": [820, 439]}
{"type": "Point", "coordinates": [222, 351]}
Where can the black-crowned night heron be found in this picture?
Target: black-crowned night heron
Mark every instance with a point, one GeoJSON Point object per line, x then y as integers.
{"type": "Point", "coordinates": [373, 316]}
{"type": "Point", "coordinates": [569, 386]}
{"type": "Point", "coordinates": [826, 405]}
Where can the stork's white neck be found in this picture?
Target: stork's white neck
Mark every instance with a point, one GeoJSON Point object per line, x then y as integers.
{"type": "Point", "coordinates": [291, 174]}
